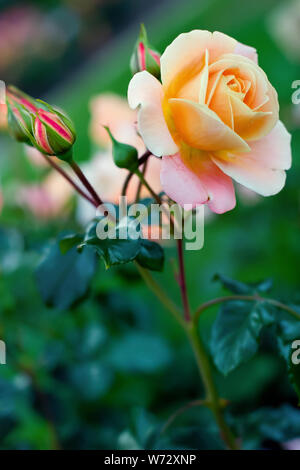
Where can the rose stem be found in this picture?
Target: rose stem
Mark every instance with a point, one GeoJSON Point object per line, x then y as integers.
{"type": "Point", "coordinates": [141, 160]}
{"type": "Point", "coordinates": [182, 281]}
{"type": "Point", "coordinates": [69, 179]}
{"type": "Point", "coordinates": [85, 182]}
{"type": "Point", "coordinates": [249, 298]}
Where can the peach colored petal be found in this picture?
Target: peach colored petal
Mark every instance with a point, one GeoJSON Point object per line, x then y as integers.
{"type": "Point", "coordinates": [198, 182]}
{"type": "Point", "coordinates": [201, 128]}
{"type": "Point", "coordinates": [274, 150]}
{"type": "Point", "coordinates": [260, 85]}
{"type": "Point", "coordinates": [180, 183]}
{"type": "Point", "coordinates": [146, 91]}
{"type": "Point", "coordinates": [262, 169]}
{"type": "Point", "coordinates": [264, 181]}
{"type": "Point", "coordinates": [219, 187]}
{"type": "Point", "coordinates": [251, 125]}
{"type": "Point", "coordinates": [246, 51]}
{"type": "Point", "coordinates": [219, 100]}
{"type": "Point", "coordinates": [188, 49]}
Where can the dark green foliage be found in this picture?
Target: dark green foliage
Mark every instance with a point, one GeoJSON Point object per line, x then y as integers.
{"type": "Point", "coordinates": [64, 278]}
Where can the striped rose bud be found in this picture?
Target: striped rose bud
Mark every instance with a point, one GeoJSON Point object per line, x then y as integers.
{"type": "Point", "coordinates": [144, 57]}
{"type": "Point", "coordinates": [19, 109]}
{"type": "Point", "coordinates": [53, 132]}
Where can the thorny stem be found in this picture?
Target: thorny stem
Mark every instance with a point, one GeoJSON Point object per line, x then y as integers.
{"type": "Point", "coordinates": [69, 179]}
{"type": "Point", "coordinates": [249, 298]}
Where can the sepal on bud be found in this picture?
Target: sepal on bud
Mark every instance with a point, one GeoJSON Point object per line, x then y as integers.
{"type": "Point", "coordinates": [19, 109]}
{"type": "Point", "coordinates": [144, 57]}
{"type": "Point", "coordinates": [124, 155]}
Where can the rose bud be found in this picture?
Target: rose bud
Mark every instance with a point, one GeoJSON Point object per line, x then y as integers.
{"type": "Point", "coordinates": [144, 57]}
{"type": "Point", "coordinates": [53, 132]}
{"type": "Point", "coordinates": [19, 109]}
{"type": "Point", "coordinates": [124, 155]}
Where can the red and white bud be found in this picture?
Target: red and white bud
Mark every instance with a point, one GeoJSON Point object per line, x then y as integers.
{"type": "Point", "coordinates": [144, 57]}
{"type": "Point", "coordinates": [53, 132]}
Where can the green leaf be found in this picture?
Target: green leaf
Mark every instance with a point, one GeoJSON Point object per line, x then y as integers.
{"type": "Point", "coordinates": [242, 288]}
{"type": "Point", "coordinates": [151, 255]}
{"type": "Point", "coordinates": [69, 241]}
{"type": "Point", "coordinates": [143, 433]}
{"type": "Point", "coordinates": [236, 332]}
{"type": "Point", "coordinates": [63, 279]}
{"type": "Point", "coordinates": [276, 424]}
{"type": "Point", "coordinates": [113, 251]}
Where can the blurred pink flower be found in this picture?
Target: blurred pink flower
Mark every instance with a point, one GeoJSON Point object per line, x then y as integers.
{"type": "Point", "coordinates": [113, 111]}
{"type": "Point", "coordinates": [36, 157]}
{"type": "Point", "coordinates": [48, 199]}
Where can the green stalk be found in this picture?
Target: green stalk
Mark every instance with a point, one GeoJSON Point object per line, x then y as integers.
{"type": "Point", "coordinates": [212, 398]}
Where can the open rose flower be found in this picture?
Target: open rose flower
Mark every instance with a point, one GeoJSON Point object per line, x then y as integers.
{"type": "Point", "coordinates": [214, 117]}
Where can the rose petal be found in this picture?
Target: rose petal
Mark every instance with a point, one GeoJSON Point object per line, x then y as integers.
{"type": "Point", "coordinates": [249, 124]}
{"type": "Point", "coordinates": [198, 182]}
{"type": "Point", "coordinates": [262, 169]}
{"type": "Point", "coordinates": [246, 51]}
{"type": "Point", "coordinates": [188, 49]}
{"type": "Point", "coordinates": [201, 128]}
{"type": "Point", "coordinates": [273, 150]}
{"type": "Point", "coordinates": [146, 91]}
{"type": "Point", "coordinates": [180, 183]}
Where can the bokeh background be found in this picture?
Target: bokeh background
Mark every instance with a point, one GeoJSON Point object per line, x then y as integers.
{"type": "Point", "coordinates": [110, 370]}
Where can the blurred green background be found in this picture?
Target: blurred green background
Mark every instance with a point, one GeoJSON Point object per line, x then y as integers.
{"type": "Point", "coordinates": [109, 372]}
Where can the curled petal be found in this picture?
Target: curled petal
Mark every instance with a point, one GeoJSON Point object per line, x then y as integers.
{"type": "Point", "coordinates": [195, 179]}
{"type": "Point", "coordinates": [201, 128]}
{"type": "Point", "coordinates": [262, 169]}
{"type": "Point", "coordinates": [249, 124]}
{"type": "Point", "coordinates": [146, 91]}
{"type": "Point", "coordinates": [246, 51]}
{"type": "Point", "coordinates": [188, 50]}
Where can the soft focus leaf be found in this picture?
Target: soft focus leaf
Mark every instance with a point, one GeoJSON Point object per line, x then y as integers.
{"type": "Point", "coordinates": [62, 279]}
{"type": "Point", "coordinates": [276, 424]}
{"type": "Point", "coordinates": [151, 256]}
{"type": "Point", "coordinates": [67, 242]}
{"type": "Point", "coordinates": [238, 287]}
{"type": "Point", "coordinates": [236, 332]}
